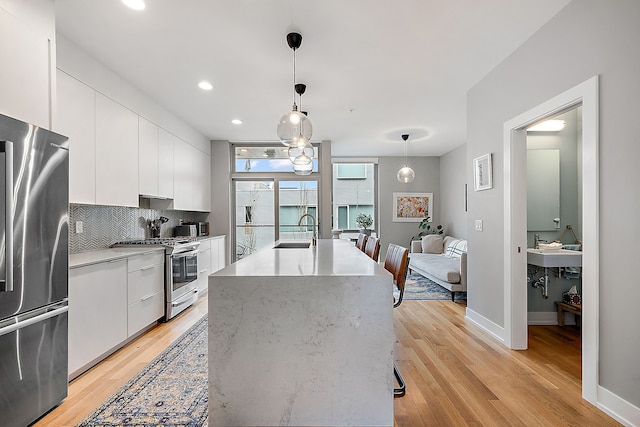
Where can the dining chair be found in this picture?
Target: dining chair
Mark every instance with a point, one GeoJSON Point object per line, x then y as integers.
{"type": "Point", "coordinates": [372, 248]}
{"type": "Point", "coordinates": [397, 263]}
{"type": "Point", "coordinates": [362, 241]}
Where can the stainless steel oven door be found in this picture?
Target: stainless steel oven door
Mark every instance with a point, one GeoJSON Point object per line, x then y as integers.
{"type": "Point", "coordinates": [184, 271]}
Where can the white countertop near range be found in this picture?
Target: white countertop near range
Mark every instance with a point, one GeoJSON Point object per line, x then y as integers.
{"type": "Point", "coordinates": [82, 259]}
{"type": "Point", "coordinates": [104, 255]}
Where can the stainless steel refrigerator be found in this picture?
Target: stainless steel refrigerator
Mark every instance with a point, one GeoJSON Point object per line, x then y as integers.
{"type": "Point", "coordinates": [34, 261]}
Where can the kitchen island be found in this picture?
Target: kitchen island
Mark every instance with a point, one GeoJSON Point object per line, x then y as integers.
{"type": "Point", "coordinates": [301, 337]}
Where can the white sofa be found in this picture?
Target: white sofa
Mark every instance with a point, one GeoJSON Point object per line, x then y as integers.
{"type": "Point", "coordinates": [443, 260]}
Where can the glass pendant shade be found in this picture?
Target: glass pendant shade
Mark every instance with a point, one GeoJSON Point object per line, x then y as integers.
{"type": "Point", "coordinates": [294, 128]}
{"type": "Point", "coordinates": [296, 151]}
{"type": "Point", "coordinates": [406, 174]}
{"type": "Point", "coordinates": [303, 169]}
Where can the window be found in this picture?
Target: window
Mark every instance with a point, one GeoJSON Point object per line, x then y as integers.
{"type": "Point", "coordinates": [261, 159]}
{"type": "Point", "coordinates": [270, 199]}
{"type": "Point", "coordinates": [354, 192]}
{"type": "Point", "coordinates": [351, 171]}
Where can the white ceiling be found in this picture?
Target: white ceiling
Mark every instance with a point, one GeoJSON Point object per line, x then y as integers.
{"type": "Point", "coordinates": [374, 69]}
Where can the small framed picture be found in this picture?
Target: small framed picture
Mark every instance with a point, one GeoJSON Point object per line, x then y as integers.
{"type": "Point", "coordinates": [482, 173]}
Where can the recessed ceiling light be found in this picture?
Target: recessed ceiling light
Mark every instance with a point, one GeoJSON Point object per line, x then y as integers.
{"type": "Point", "coordinates": [204, 85]}
{"type": "Point", "coordinates": [135, 4]}
{"type": "Point", "coordinates": [236, 121]}
{"type": "Point", "coordinates": [548, 126]}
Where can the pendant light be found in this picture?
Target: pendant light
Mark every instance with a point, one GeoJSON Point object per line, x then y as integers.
{"type": "Point", "coordinates": [294, 128]}
{"type": "Point", "coordinates": [405, 174]}
{"type": "Point", "coordinates": [301, 153]}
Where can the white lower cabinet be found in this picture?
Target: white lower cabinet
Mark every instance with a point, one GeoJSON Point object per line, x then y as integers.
{"type": "Point", "coordinates": [145, 291]}
{"type": "Point", "coordinates": [204, 265]}
{"type": "Point", "coordinates": [111, 301]}
{"type": "Point", "coordinates": [97, 311]}
{"type": "Point", "coordinates": [218, 253]}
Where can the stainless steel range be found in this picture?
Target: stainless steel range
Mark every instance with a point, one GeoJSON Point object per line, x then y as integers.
{"type": "Point", "coordinates": [181, 271]}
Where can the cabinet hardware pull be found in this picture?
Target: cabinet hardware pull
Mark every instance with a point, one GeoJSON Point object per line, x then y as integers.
{"type": "Point", "coordinates": [147, 297]}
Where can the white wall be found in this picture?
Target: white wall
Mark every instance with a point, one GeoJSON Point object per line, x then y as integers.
{"type": "Point", "coordinates": [427, 180]}
{"type": "Point", "coordinates": [587, 38]}
{"type": "Point", "coordinates": [453, 167]}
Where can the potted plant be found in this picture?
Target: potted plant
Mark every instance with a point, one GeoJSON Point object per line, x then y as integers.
{"type": "Point", "coordinates": [424, 225]}
{"type": "Point", "coordinates": [364, 221]}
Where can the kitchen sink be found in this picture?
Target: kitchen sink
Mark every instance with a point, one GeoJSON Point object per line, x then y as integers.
{"type": "Point", "coordinates": [560, 258]}
{"type": "Point", "coordinates": [292, 245]}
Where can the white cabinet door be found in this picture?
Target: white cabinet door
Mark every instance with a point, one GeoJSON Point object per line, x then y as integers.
{"type": "Point", "coordinates": [204, 269]}
{"type": "Point", "coordinates": [166, 143]}
{"type": "Point", "coordinates": [192, 178]}
{"type": "Point", "coordinates": [218, 258]}
{"type": "Point", "coordinates": [202, 184]}
{"type": "Point", "coordinates": [145, 291]}
{"type": "Point", "coordinates": [148, 157]}
{"type": "Point", "coordinates": [183, 168]}
{"type": "Point", "coordinates": [97, 311]}
{"type": "Point", "coordinates": [26, 74]}
{"type": "Point", "coordinates": [116, 154]}
{"type": "Point", "coordinates": [77, 120]}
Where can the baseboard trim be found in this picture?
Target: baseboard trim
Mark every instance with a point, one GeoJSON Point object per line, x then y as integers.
{"type": "Point", "coordinates": [618, 408]}
{"type": "Point", "coordinates": [493, 329]}
{"type": "Point", "coordinates": [540, 318]}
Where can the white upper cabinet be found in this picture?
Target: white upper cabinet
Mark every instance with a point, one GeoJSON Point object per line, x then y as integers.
{"type": "Point", "coordinates": [77, 120]}
{"type": "Point", "coordinates": [166, 143]}
{"type": "Point", "coordinates": [182, 170]}
{"type": "Point", "coordinates": [191, 178]}
{"type": "Point", "coordinates": [148, 155]}
{"type": "Point", "coordinates": [27, 74]}
{"type": "Point", "coordinates": [116, 154]}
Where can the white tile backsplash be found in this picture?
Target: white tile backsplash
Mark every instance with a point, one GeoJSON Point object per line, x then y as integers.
{"type": "Point", "coordinates": [105, 225]}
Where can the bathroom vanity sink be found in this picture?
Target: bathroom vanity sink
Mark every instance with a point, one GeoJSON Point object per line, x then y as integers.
{"type": "Point", "coordinates": [561, 258]}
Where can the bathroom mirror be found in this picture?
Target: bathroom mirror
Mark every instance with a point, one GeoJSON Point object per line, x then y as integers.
{"type": "Point", "coordinates": [543, 190]}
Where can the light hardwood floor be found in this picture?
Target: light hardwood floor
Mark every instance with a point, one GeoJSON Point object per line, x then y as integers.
{"type": "Point", "coordinates": [456, 374]}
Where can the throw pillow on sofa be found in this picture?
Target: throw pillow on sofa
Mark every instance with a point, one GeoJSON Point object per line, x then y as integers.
{"type": "Point", "coordinates": [432, 244]}
{"type": "Point", "coordinates": [456, 248]}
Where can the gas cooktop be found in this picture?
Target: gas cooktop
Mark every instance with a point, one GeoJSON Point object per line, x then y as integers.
{"type": "Point", "coordinates": [173, 244]}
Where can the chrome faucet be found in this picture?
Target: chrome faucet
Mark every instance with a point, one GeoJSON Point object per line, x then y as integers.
{"type": "Point", "coordinates": [536, 241]}
{"type": "Point", "coordinates": [314, 237]}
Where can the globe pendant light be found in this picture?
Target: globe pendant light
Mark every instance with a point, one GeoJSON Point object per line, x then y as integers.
{"type": "Point", "coordinates": [405, 174]}
{"type": "Point", "coordinates": [294, 128]}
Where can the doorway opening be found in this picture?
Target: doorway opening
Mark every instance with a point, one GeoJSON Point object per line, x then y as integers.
{"type": "Point", "coordinates": [515, 236]}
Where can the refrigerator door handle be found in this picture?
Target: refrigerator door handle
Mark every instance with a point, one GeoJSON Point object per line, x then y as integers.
{"type": "Point", "coordinates": [7, 284]}
{"type": "Point", "coordinates": [35, 319]}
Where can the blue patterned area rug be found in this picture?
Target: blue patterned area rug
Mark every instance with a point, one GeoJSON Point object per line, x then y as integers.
{"type": "Point", "coordinates": [169, 391]}
{"type": "Point", "coordinates": [418, 287]}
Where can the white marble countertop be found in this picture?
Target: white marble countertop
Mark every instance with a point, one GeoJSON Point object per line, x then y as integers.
{"type": "Point", "coordinates": [332, 257]}
{"type": "Point", "coordinates": [103, 255]}
{"type": "Point", "coordinates": [94, 257]}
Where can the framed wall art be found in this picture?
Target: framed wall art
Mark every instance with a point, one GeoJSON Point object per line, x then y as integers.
{"type": "Point", "coordinates": [412, 207]}
{"type": "Point", "coordinates": [482, 173]}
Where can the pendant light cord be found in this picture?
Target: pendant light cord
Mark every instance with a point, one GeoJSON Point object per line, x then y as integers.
{"type": "Point", "coordinates": [405, 152]}
{"type": "Point", "coordinates": [294, 77]}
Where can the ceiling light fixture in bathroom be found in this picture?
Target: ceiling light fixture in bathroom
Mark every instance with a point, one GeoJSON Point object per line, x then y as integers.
{"type": "Point", "coordinates": [135, 4]}
{"type": "Point", "coordinates": [548, 126]}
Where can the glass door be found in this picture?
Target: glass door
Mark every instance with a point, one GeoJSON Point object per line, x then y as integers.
{"type": "Point", "coordinates": [295, 199]}
{"type": "Point", "coordinates": [255, 216]}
